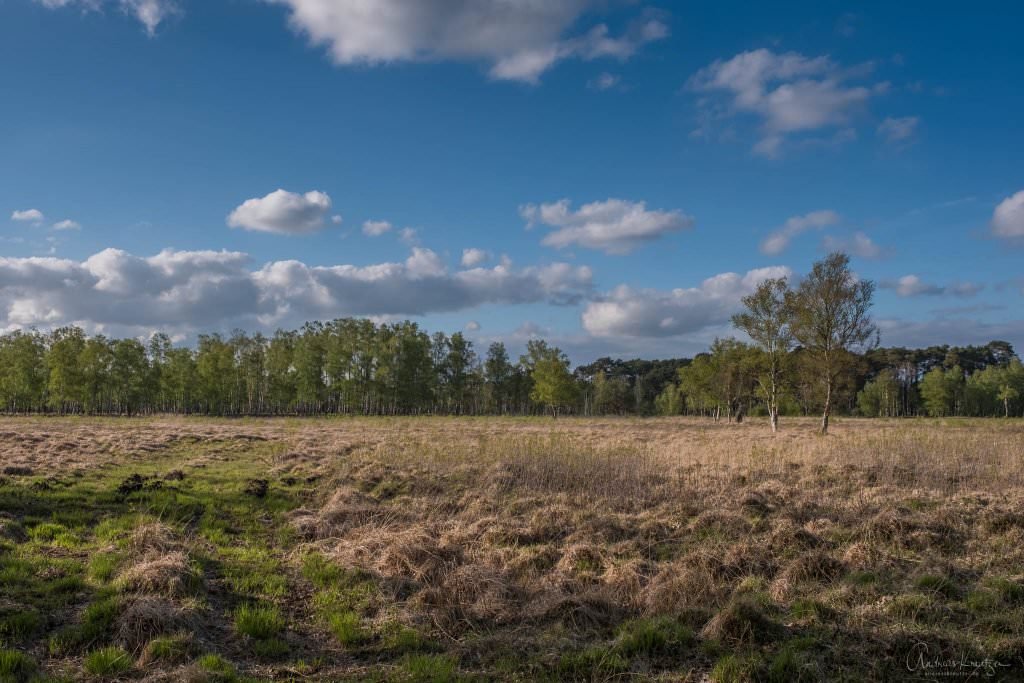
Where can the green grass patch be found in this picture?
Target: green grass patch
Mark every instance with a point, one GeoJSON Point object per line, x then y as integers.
{"type": "Point", "coordinates": [940, 585]}
{"type": "Point", "coordinates": [16, 667]}
{"type": "Point", "coordinates": [399, 638]}
{"type": "Point", "coordinates": [347, 627]}
{"type": "Point", "coordinates": [102, 566]}
{"type": "Point", "coordinates": [270, 648]}
{"type": "Point", "coordinates": [108, 662]}
{"type": "Point", "coordinates": [655, 637]}
{"type": "Point", "coordinates": [217, 668]}
{"type": "Point", "coordinates": [252, 571]}
{"type": "Point", "coordinates": [19, 624]}
{"type": "Point", "coordinates": [259, 621]}
{"type": "Point", "coordinates": [735, 668]}
{"type": "Point", "coordinates": [429, 668]}
{"type": "Point", "coordinates": [591, 663]}
{"type": "Point", "coordinates": [168, 649]}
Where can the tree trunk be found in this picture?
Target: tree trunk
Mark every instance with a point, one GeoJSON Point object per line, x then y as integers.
{"type": "Point", "coordinates": [773, 414]}
{"type": "Point", "coordinates": [828, 406]}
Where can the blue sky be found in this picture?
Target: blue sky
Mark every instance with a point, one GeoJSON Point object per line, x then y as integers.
{"type": "Point", "coordinates": [627, 170]}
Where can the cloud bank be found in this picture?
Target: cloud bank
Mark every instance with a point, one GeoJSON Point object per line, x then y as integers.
{"type": "Point", "coordinates": [187, 291]}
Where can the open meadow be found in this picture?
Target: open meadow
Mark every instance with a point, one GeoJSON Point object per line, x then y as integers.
{"type": "Point", "coordinates": [437, 549]}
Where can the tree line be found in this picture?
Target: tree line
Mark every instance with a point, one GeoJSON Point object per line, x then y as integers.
{"type": "Point", "coordinates": [812, 348]}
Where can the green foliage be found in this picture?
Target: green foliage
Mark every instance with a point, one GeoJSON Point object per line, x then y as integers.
{"type": "Point", "coordinates": [553, 383]}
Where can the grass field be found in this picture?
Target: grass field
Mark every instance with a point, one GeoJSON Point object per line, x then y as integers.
{"type": "Point", "coordinates": [441, 549]}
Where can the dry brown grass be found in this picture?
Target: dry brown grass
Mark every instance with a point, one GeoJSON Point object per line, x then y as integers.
{"type": "Point", "coordinates": [546, 535]}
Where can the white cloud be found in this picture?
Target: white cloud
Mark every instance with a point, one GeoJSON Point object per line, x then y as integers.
{"type": "Point", "coordinates": [409, 236]}
{"type": "Point", "coordinates": [34, 216]}
{"type": "Point", "coordinates": [150, 13]}
{"type": "Point", "coordinates": [376, 228]}
{"type": "Point", "coordinates": [912, 285]}
{"type": "Point", "coordinates": [472, 326]}
{"type": "Point", "coordinates": [474, 257]}
{"type": "Point", "coordinates": [337, 219]}
{"type": "Point", "coordinates": [898, 129]}
{"type": "Point", "coordinates": [282, 212]}
{"type": "Point", "coordinates": [859, 244]}
{"type": "Point", "coordinates": [519, 39]}
{"type": "Point", "coordinates": [628, 312]}
{"type": "Point", "coordinates": [187, 291]}
{"type": "Point", "coordinates": [789, 93]}
{"type": "Point", "coordinates": [778, 241]}
{"type": "Point", "coordinates": [605, 81]}
{"type": "Point", "coordinates": [1008, 218]}
{"type": "Point", "coordinates": [67, 224]}
{"type": "Point", "coordinates": [615, 226]}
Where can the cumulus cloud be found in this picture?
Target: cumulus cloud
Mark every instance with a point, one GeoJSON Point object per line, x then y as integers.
{"type": "Point", "coordinates": [67, 224]}
{"type": "Point", "coordinates": [789, 93]}
{"type": "Point", "coordinates": [472, 326]}
{"type": "Point", "coordinates": [912, 285]}
{"type": "Point", "coordinates": [858, 244]}
{"type": "Point", "coordinates": [474, 257]}
{"type": "Point", "coordinates": [150, 13]}
{"type": "Point", "coordinates": [518, 39]}
{"type": "Point", "coordinates": [898, 129]}
{"type": "Point", "coordinates": [187, 291]}
{"type": "Point", "coordinates": [282, 212]}
{"type": "Point", "coordinates": [1008, 218]}
{"type": "Point", "coordinates": [778, 241]}
{"type": "Point", "coordinates": [376, 228]}
{"type": "Point", "coordinates": [615, 226]}
{"type": "Point", "coordinates": [34, 216]}
{"type": "Point", "coordinates": [628, 312]}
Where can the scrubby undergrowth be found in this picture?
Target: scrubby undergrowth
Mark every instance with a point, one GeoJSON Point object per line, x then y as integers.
{"type": "Point", "coordinates": [436, 550]}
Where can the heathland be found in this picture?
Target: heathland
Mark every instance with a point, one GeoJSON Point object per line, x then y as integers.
{"type": "Point", "coordinates": [510, 549]}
